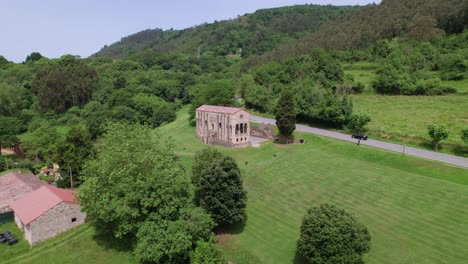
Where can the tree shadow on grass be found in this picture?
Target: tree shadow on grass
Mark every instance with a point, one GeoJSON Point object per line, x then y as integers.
{"type": "Point", "coordinates": [108, 241]}
{"type": "Point", "coordinates": [231, 229]}
{"type": "Point", "coordinates": [461, 151]}
{"type": "Point", "coordinates": [299, 259]}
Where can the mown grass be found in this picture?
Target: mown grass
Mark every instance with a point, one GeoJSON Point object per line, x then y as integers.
{"type": "Point", "coordinates": [79, 245]}
{"type": "Point", "coordinates": [416, 210]}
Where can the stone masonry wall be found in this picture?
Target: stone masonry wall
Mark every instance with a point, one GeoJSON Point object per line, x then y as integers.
{"type": "Point", "coordinates": [229, 130]}
{"type": "Point", "coordinates": [55, 221]}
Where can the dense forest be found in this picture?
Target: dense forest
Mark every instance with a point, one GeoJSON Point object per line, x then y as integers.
{"type": "Point", "coordinates": [145, 78]}
{"type": "Point", "coordinates": [250, 34]}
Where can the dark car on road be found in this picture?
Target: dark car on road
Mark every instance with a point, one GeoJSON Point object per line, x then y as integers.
{"type": "Point", "coordinates": [360, 136]}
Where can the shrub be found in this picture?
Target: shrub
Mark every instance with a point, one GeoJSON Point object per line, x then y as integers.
{"type": "Point", "coordinates": [206, 253]}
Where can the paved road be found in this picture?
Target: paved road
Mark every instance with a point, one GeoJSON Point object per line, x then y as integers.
{"type": "Point", "coordinates": [426, 154]}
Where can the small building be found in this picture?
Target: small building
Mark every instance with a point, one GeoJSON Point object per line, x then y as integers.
{"type": "Point", "coordinates": [226, 126]}
{"type": "Point", "coordinates": [14, 186]}
{"type": "Point", "coordinates": [47, 212]}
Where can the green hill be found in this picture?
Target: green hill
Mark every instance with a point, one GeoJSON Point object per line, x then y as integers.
{"type": "Point", "coordinates": [250, 34]}
{"type": "Point", "coordinates": [412, 19]}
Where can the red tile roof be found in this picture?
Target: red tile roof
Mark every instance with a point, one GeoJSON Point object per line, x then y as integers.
{"type": "Point", "coordinates": [34, 204]}
{"type": "Point", "coordinates": [15, 185]}
{"type": "Point", "coordinates": [219, 109]}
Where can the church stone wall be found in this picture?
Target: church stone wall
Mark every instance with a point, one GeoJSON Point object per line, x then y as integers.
{"type": "Point", "coordinates": [230, 130]}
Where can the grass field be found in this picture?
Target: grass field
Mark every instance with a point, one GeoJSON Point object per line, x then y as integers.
{"type": "Point", "coordinates": [416, 210]}
{"type": "Point", "coordinates": [80, 245]}
{"type": "Point", "coordinates": [404, 119]}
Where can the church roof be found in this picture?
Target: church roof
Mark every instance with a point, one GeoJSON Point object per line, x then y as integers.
{"type": "Point", "coordinates": [219, 109]}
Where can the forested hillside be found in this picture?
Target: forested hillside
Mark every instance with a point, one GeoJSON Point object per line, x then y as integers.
{"type": "Point", "coordinates": [410, 19]}
{"type": "Point", "coordinates": [250, 34]}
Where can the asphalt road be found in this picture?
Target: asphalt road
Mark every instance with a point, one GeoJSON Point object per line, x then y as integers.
{"type": "Point", "coordinates": [421, 153]}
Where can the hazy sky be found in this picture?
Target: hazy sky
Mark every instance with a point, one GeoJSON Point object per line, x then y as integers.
{"type": "Point", "coordinates": [82, 27]}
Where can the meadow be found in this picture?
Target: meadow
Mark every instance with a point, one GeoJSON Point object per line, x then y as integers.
{"type": "Point", "coordinates": [416, 210]}
{"type": "Point", "coordinates": [404, 119]}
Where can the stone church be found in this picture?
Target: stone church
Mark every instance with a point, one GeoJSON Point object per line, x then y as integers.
{"type": "Point", "coordinates": [226, 126]}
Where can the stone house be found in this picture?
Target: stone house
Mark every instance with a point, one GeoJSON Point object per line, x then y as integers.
{"type": "Point", "coordinates": [226, 126]}
{"type": "Point", "coordinates": [47, 212]}
{"type": "Point", "coordinates": [15, 185]}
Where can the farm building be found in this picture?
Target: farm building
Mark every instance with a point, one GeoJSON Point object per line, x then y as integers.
{"type": "Point", "coordinates": [47, 212]}
{"type": "Point", "coordinates": [226, 126]}
{"type": "Point", "coordinates": [15, 185]}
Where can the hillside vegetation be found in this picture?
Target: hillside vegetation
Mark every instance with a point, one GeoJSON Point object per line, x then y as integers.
{"type": "Point", "coordinates": [413, 19]}
{"type": "Point", "coordinates": [250, 34]}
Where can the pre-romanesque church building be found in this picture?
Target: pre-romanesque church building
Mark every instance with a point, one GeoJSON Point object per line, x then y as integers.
{"type": "Point", "coordinates": [227, 126]}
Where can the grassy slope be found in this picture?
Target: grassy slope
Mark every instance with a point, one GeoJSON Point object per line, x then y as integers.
{"type": "Point", "coordinates": [416, 210]}
{"type": "Point", "coordinates": [405, 118]}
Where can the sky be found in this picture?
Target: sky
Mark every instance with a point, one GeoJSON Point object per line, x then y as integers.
{"type": "Point", "coordinates": [82, 27]}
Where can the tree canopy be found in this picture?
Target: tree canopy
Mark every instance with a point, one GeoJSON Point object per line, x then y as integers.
{"type": "Point", "coordinates": [136, 189]}
{"type": "Point", "coordinates": [438, 132]}
{"type": "Point", "coordinates": [286, 114]}
{"type": "Point", "coordinates": [331, 235]}
{"type": "Point", "coordinates": [218, 186]}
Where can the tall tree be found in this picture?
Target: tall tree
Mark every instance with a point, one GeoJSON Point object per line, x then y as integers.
{"type": "Point", "coordinates": [35, 56]}
{"type": "Point", "coordinates": [135, 188]}
{"type": "Point", "coordinates": [42, 143]}
{"type": "Point", "coordinates": [62, 84]}
{"type": "Point", "coordinates": [331, 235]}
{"type": "Point", "coordinates": [10, 127]}
{"type": "Point", "coordinates": [218, 186]}
{"type": "Point", "coordinates": [358, 121]}
{"type": "Point", "coordinates": [438, 132]}
{"type": "Point", "coordinates": [72, 153]}
{"type": "Point", "coordinates": [135, 174]}
{"type": "Point", "coordinates": [286, 114]}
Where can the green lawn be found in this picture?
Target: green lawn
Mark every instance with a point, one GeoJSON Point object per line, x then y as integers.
{"type": "Point", "coordinates": [80, 245]}
{"type": "Point", "coordinates": [416, 210]}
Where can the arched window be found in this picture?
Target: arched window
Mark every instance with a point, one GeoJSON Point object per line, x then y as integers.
{"type": "Point", "coordinates": [237, 140]}
{"type": "Point", "coordinates": [245, 128]}
{"type": "Point", "coordinates": [242, 128]}
{"type": "Point", "coordinates": [237, 129]}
